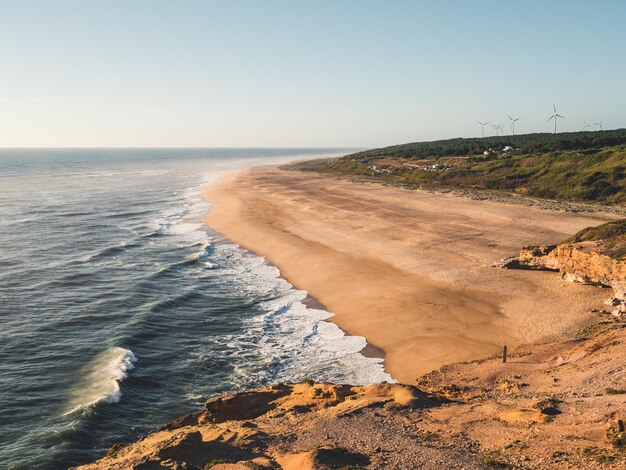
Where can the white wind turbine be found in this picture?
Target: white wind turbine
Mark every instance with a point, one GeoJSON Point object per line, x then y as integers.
{"type": "Point", "coordinates": [586, 126]}
{"type": "Point", "coordinates": [482, 127]}
{"type": "Point", "coordinates": [555, 116]}
{"type": "Point", "coordinates": [599, 124]}
{"type": "Point", "coordinates": [498, 128]}
{"type": "Point", "coordinates": [513, 121]}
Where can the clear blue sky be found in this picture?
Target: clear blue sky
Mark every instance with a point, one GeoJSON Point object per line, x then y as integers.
{"type": "Point", "coordinates": [302, 73]}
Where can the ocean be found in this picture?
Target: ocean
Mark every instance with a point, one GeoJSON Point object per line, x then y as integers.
{"type": "Point", "coordinates": [120, 310]}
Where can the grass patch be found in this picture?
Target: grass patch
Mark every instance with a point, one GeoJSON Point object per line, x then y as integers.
{"type": "Point", "coordinates": [494, 463]}
{"type": "Point", "coordinates": [597, 454]}
{"type": "Point", "coordinates": [114, 450]}
{"type": "Point", "coordinates": [212, 463]}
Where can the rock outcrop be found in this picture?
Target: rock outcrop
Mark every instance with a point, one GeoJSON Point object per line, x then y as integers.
{"type": "Point", "coordinates": [594, 257]}
{"type": "Point", "coordinates": [260, 428]}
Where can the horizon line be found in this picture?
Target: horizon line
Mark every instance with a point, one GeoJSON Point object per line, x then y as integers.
{"type": "Point", "coordinates": [182, 148]}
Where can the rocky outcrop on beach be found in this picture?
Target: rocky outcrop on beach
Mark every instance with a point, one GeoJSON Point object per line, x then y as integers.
{"type": "Point", "coordinates": [559, 405]}
{"type": "Point", "coordinates": [594, 257]}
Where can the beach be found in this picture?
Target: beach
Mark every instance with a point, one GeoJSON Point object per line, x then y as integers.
{"type": "Point", "coordinates": [409, 270]}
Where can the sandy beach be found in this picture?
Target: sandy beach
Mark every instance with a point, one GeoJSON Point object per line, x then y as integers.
{"type": "Point", "coordinates": [407, 269]}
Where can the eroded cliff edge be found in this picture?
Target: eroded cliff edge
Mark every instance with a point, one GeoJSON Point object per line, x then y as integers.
{"type": "Point", "coordinates": [595, 256]}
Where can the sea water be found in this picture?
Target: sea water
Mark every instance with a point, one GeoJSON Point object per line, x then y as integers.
{"type": "Point", "coordinates": [120, 310]}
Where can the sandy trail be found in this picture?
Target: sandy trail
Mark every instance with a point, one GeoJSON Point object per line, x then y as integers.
{"type": "Point", "coordinates": [407, 269]}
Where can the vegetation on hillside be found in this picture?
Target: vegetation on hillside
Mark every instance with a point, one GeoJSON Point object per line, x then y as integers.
{"type": "Point", "coordinates": [580, 166]}
{"type": "Point", "coordinates": [613, 234]}
{"type": "Point", "coordinates": [526, 143]}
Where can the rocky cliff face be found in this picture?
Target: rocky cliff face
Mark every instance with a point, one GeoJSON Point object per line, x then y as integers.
{"type": "Point", "coordinates": [584, 262]}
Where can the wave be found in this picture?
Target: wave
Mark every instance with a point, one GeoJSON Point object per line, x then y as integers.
{"type": "Point", "coordinates": [293, 341]}
{"type": "Point", "coordinates": [111, 251]}
{"type": "Point", "coordinates": [126, 214]}
{"type": "Point", "coordinates": [102, 378]}
{"type": "Point", "coordinates": [305, 334]}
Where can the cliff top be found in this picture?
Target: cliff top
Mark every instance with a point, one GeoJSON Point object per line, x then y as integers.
{"type": "Point", "coordinates": [557, 405]}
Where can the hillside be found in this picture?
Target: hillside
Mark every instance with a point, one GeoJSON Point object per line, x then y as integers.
{"type": "Point", "coordinates": [527, 143]}
{"type": "Point", "coordinates": [579, 166]}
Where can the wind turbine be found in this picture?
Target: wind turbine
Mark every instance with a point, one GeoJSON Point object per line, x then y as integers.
{"type": "Point", "coordinates": [498, 128]}
{"type": "Point", "coordinates": [599, 124]}
{"type": "Point", "coordinates": [482, 127]}
{"type": "Point", "coordinates": [555, 116]}
{"type": "Point", "coordinates": [513, 122]}
{"type": "Point", "coordinates": [586, 126]}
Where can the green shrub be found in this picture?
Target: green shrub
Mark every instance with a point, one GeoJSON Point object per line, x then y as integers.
{"type": "Point", "coordinates": [492, 462]}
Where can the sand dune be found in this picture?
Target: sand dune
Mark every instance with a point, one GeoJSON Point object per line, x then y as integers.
{"type": "Point", "coordinates": [407, 269]}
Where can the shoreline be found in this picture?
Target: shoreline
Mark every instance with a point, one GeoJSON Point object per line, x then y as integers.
{"type": "Point", "coordinates": [415, 314]}
{"type": "Point", "coordinates": [369, 351]}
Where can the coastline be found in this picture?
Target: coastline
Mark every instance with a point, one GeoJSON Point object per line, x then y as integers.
{"type": "Point", "coordinates": [406, 269]}
{"type": "Point", "coordinates": [370, 350]}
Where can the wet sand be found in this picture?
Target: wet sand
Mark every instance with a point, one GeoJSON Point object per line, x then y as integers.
{"type": "Point", "coordinates": [407, 269]}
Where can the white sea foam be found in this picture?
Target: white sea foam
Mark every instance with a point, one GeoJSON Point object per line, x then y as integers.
{"type": "Point", "coordinates": [101, 379]}
{"type": "Point", "coordinates": [294, 340]}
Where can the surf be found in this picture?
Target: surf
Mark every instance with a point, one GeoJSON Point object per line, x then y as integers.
{"type": "Point", "coordinates": [102, 379]}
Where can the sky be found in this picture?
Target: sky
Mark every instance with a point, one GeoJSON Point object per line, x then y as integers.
{"type": "Point", "coordinates": [272, 73]}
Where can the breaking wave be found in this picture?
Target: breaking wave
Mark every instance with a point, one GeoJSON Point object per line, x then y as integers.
{"type": "Point", "coordinates": [102, 379]}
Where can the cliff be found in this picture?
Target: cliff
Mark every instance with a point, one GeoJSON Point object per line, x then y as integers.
{"type": "Point", "coordinates": [552, 406]}
{"type": "Point", "coordinates": [594, 256]}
